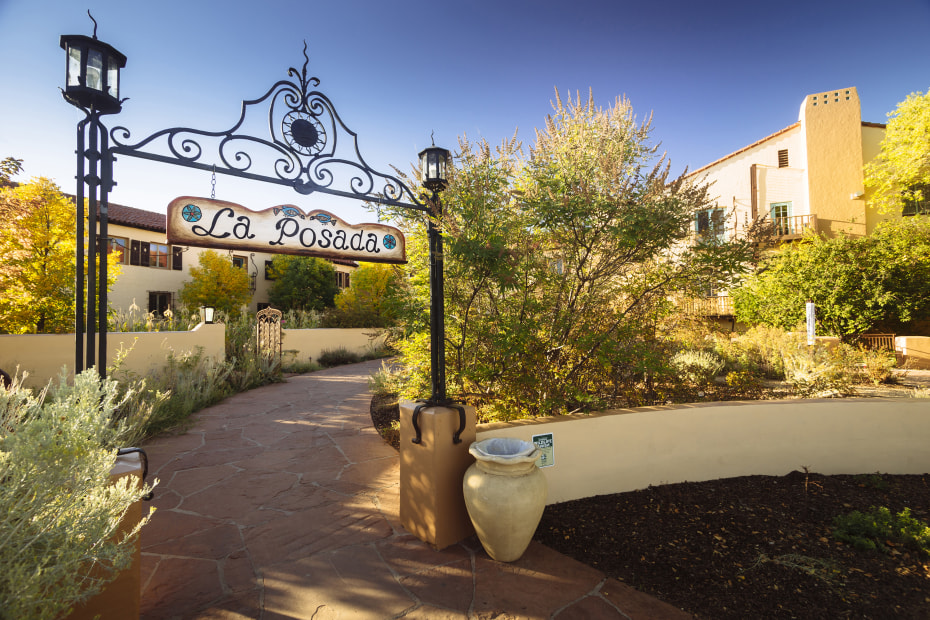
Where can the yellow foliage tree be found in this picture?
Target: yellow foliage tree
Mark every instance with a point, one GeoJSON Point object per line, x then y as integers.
{"type": "Point", "coordinates": [218, 283]}
{"type": "Point", "coordinates": [37, 243]}
{"type": "Point", "coordinates": [373, 299]}
{"type": "Point", "coordinates": [900, 175]}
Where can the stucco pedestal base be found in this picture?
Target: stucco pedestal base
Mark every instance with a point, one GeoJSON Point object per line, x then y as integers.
{"type": "Point", "coordinates": [432, 506]}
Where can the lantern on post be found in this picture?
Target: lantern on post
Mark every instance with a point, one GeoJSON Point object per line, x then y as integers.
{"type": "Point", "coordinates": [92, 73]}
{"type": "Point", "coordinates": [207, 313]}
{"type": "Point", "coordinates": [433, 164]}
{"type": "Point", "coordinates": [92, 85]}
{"type": "Point", "coordinates": [433, 169]}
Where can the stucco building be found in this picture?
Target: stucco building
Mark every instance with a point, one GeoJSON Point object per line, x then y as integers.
{"type": "Point", "coordinates": [807, 176]}
{"type": "Point", "coordinates": [153, 271]}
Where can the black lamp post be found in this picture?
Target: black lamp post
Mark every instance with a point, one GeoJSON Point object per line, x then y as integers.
{"type": "Point", "coordinates": [433, 166]}
{"type": "Point", "coordinates": [92, 85]}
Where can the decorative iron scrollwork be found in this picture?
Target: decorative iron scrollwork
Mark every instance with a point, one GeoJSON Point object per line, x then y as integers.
{"type": "Point", "coordinates": [303, 147]}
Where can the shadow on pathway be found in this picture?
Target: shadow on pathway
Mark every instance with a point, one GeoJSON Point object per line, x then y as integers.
{"type": "Point", "coordinates": [282, 502]}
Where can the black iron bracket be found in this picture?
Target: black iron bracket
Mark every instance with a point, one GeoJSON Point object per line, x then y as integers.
{"type": "Point", "coordinates": [456, 436]}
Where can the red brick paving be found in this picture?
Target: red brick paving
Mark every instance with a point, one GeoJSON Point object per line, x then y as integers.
{"type": "Point", "coordinates": [282, 502]}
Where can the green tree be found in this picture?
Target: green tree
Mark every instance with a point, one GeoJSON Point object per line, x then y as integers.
{"type": "Point", "coordinates": [218, 283]}
{"type": "Point", "coordinates": [900, 174]}
{"type": "Point", "coordinates": [302, 283]}
{"type": "Point", "coordinates": [37, 242]}
{"type": "Point", "coordinates": [559, 267]}
{"type": "Point", "coordinates": [9, 168]}
{"type": "Point", "coordinates": [857, 283]}
{"type": "Point", "coordinates": [373, 298]}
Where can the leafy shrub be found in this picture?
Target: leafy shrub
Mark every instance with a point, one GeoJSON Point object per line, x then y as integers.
{"type": "Point", "coordinates": [697, 367]}
{"type": "Point", "coordinates": [301, 319]}
{"type": "Point", "coordinates": [387, 381]}
{"type": "Point", "coordinates": [249, 370]}
{"type": "Point", "coordinates": [135, 320]}
{"type": "Point", "coordinates": [59, 511]}
{"type": "Point", "coordinates": [870, 531]}
{"type": "Point", "coordinates": [745, 383]}
{"type": "Point", "coordinates": [338, 357]}
{"type": "Point", "coordinates": [814, 371]}
{"type": "Point", "coordinates": [878, 366]}
{"type": "Point", "coordinates": [761, 349]}
{"type": "Point", "coordinates": [190, 382]}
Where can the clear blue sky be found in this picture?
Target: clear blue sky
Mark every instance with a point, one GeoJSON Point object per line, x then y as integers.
{"type": "Point", "coordinates": [717, 75]}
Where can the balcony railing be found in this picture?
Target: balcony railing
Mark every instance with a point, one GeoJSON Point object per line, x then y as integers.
{"type": "Point", "coordinates": [794, 226]}
{"type": "Point", "coordinates": [710, 306]}
{"type": "Point", "coordinates": [877, 342]}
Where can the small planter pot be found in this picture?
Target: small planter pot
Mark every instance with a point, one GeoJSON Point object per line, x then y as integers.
{"type": "Point", "coordinates": [505, 494]}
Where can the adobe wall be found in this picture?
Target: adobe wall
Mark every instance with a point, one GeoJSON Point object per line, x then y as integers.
{"type": "Point", "coordinates": [626, 450]}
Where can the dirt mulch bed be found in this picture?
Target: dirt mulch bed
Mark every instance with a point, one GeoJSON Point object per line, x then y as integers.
{"type": "Point", "coordinates": [752, 547]}
{"type": "Point", "coordinates": [747, 547]}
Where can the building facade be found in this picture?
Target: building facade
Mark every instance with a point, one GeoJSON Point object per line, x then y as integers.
{"type": "Point", "coordinates": [806, 177]}
{"type": "Point", "coordinates": [152, 271]}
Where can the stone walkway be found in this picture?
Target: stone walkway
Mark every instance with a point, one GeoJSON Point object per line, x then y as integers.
{"type": "Point", "coordinates": [282, 502]}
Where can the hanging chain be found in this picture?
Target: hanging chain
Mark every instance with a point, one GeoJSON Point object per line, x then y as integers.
{"type": "Point", "coordinates": [213, 184]}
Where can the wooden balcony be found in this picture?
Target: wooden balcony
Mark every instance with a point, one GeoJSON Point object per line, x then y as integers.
{"type": "Point", "coordinates": [710, 306]}
{"type": "Point", "coordinates": [794, 227]}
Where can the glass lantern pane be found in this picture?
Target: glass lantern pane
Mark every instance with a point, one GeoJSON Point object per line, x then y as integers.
{"type": "Point", "coordinates": [74, 66]}
{"type": "Point", "coordinates": [94, 70]}
{"type": "Point", "coordinates": [112, 77]}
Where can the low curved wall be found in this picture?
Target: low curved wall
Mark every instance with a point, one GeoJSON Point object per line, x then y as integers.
{"type": "Point", "coordinates": [626, 450]}
{"type": "Point", "coordinates": [304, 344]}
{"type": "Point", "coordinates": [44, 355]}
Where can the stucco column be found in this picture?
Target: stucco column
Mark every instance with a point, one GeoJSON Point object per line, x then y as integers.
{"type": "Point", "coordinates": [432, 505]}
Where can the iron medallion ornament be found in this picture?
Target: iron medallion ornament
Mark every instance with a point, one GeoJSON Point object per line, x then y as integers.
{"type": "Point", "coordinates": [305, 134]}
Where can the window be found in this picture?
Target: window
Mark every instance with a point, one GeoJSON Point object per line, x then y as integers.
{"type": "Point", "coordinates": [146, 254]}
{"type": "Point", "coordinates": [159, 301]}
{"type": "Point", "coordinates": [783, 158]}
{"type": "Point", "coordinates": [781, 217]}
{"type": "Point", "coordinates": [921, 206]}
{"type": "Point", "coordinates": [239, 261]}
{"type": "Point", "coordinates": [158, 255]}
{"type": "Point", "coordinates": [710, 224]}
{"type": "Point", "coordinates": [120, 247]}
{"type": "Point", "coordinates": [342, 279]}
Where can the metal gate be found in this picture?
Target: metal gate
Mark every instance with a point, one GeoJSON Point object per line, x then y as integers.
{"type": "Point", "coordinates": [269, 337]}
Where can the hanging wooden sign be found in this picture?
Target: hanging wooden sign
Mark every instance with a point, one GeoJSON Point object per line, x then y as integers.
{"type": "Point", "coordinates": [285, 229]}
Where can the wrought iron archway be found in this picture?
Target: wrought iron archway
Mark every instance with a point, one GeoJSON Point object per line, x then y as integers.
{"type": "Point", "coordinates": [303, 145]}
{"type": "Point", "coordinates": [303, 149]}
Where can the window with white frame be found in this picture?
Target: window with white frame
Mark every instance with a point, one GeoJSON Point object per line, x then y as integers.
{"type": "Point", "coordinates": [780, 213]}
{"type": "Point", "coordinates": [158, 256]}
{"type": "Point", "coordinates": [710, 224]}
{"type": "Point", "coordinates": [119, 246]}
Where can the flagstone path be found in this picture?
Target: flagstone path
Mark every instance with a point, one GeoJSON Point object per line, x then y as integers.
{"type": "Point", "coordinates": [282, 502]}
